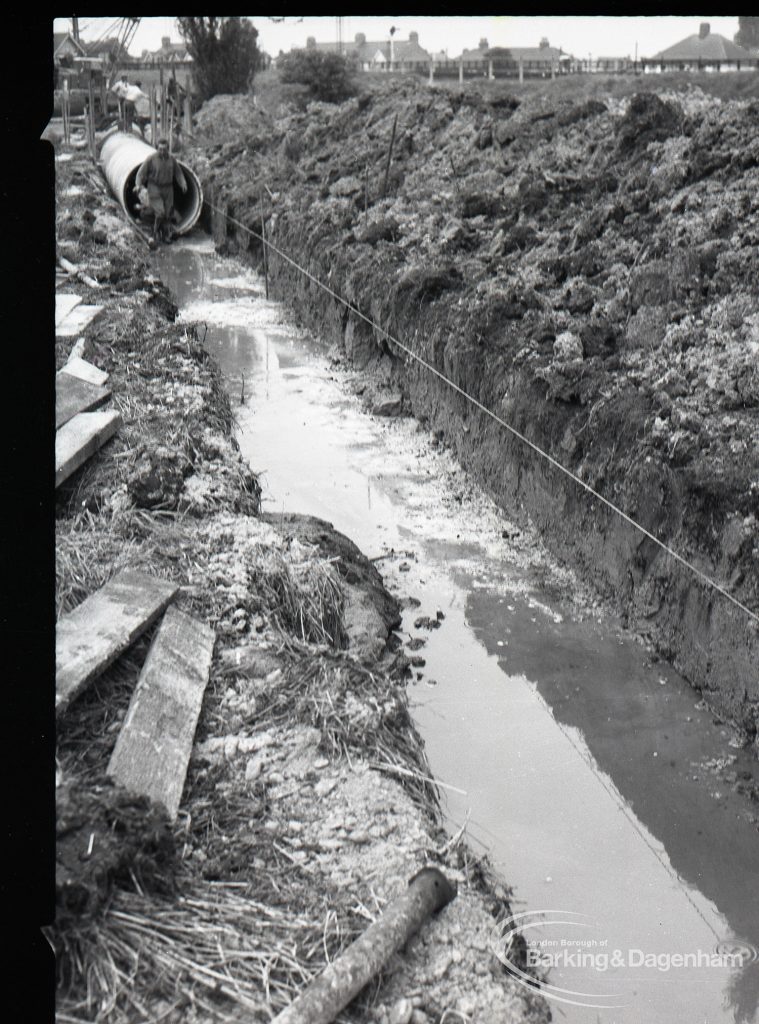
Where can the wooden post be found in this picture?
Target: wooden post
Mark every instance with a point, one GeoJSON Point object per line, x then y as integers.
{"type": "Point", "coordinates": [103, 96]}
{"type": "Point", "coordinates": [66, 112]}
{"type": "Point", "coordinates": [263, 247]}
{"type": "Point", "coordinates": [324, 998]}
{"type": "Point", "coordinates": [490, 69]}
{"type": "Point", "coordinates": [187, 115]}
{"type": "Point", "coordinates": [461, 71]}
{"type": "Point", "coordinates": [389, 155]}
{"type": "Point", "coordinates": [521, 71]}
{"type": "Point", "coordinates": [88, 129]}
{"type": "Point", "coordinates": [91, 93]}
{"type": "Point", "coordinates": [171, 128]}
{"type": "Point", "coordinates": [154, 115]}
{"type": "Point", "coordinates": [432, 71]}
{"type": "Point", "coordinates": [553, 69]}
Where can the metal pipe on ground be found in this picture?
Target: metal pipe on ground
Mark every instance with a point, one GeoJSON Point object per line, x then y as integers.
{"type": "Point", "coordinates": [121, 156]}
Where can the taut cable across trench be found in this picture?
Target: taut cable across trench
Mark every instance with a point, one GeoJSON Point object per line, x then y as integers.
{"type": "Point", "coordinates": [489, 412]}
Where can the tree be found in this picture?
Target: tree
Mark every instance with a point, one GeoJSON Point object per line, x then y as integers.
{"type": "Point", "coordinates": [748, 32]}
{"type": "Point", "coordinates": [225, 53]}
{"type": "Point", "coordinates": [327, 75]}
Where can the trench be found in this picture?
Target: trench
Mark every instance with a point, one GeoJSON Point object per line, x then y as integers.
{"type": "Point", "coordinates": [585, 769]}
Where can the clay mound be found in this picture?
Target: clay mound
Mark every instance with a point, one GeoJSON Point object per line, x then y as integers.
{"type": "Point", "coordinates": [106, 838]}
{"type": "Point", "coordinates": [648, 119]}
{"type": "Point", "coordinates": [226, 117]}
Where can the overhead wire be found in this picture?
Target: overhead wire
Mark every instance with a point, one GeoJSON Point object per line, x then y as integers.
{"type": "Point", "coordinates": [704, 577]}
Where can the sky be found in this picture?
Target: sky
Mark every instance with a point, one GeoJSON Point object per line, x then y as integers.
{"type": "Point", "coordinates": [599, 36]}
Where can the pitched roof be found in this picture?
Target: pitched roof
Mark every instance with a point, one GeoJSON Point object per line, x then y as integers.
{"type": "Point", "coordinates": [366, 51]}
{"type": "Point", "coordinates": [710, 47]}
{"type": "Point", "coordinates": [407, 49]}
{"type": "Point", "coordinates": [546, 53]}
{"type": "Point", "coordinates": [480, 53]}
{"type": "Point", "coordinates": [59, 38]}
{"type": "Point", "coordinates": [172, 52]}
{"type": "Point", "coordinates": [542, 53]}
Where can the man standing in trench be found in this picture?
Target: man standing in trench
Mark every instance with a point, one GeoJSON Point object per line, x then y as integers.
{"type": "Point", "coordinates": [159, 172]}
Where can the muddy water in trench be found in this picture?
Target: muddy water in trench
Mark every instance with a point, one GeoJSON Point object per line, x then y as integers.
{"type": "Point", "coordinates": [583, 769]}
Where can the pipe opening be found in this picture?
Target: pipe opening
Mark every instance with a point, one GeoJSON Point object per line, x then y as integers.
{"type": "Point", "coordinates": [187, 204]}
{"type": "Point", "coordinates": [121, 157]}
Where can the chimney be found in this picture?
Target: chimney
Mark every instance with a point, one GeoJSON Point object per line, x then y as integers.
{"type": "Point", "coordinates": [703, 30]}
{"type": "Point", "coordinates": [360, 39]}
{"type": "Point", "coordinates": [413, 38]}
{"type": "Point", "coordinates": [311, 43]}
{"type": "Point", "coordinates": [483, 44]}
{"type": "Point", "coordinates": [544, 43]}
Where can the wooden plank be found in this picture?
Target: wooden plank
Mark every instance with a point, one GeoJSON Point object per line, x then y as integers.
{"type": "Point", "coordinates": [91, 637]}
{"type": "Point", "coordinates": [74, 395]}
{"type": "Point", "coordinates": [80, 438]}
{"type": "Point", "coordinates": [64, 303]}
{"type": "Point", "coordinates": [76, 321]}
{"type": "Point", "coordinates": [154, 746]}
{"type": "Point", "coordinates": [80, 368]}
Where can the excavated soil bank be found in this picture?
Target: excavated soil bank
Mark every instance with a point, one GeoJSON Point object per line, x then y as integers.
{"type": "Point", "coordinates": [585, 268]}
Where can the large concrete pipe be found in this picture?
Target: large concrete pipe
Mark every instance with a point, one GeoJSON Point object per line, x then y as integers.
{"type": "Point", "coordinates": [121, 157]}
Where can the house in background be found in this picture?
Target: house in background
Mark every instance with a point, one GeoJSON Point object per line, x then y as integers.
{"type": "Point", "coordinates": [382, 55]}
{"type": "Point", "coordinates": [66, 52]}
{"type": "Point", "coordinates": [537, 61]}
{"type": "Point", "coordinates": [407, 55]}
{"type": "Point", "coordinates": [487, 61]}
{"type": "Point", "coordinates": [706, 51]}
{"type": "Point", "coordinates": [171, 60]}
{"type": "Point", "coordinates": [399, 55]}
{"type": "Point", "coordinates": [475, 62]}
{"type": "Point", "coordinates": [612, 65]}
{"type": "Point", "coordinates": [65, 48]}
{"type": "Point", "coordinates": [169, 54]}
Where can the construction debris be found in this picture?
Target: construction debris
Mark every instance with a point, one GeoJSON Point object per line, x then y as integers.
{"type": "Point", "coordinates": [81, 437]}
{"type": "Point", "coordinates": [92, 636]}
{"type": "Point", "coordinates": [155, 742]}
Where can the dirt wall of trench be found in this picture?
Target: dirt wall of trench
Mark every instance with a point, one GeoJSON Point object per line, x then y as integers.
{"type": "Point", "coordinates": [704, 635]}
{"type": "Point", "coordinates": [634, 374]}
